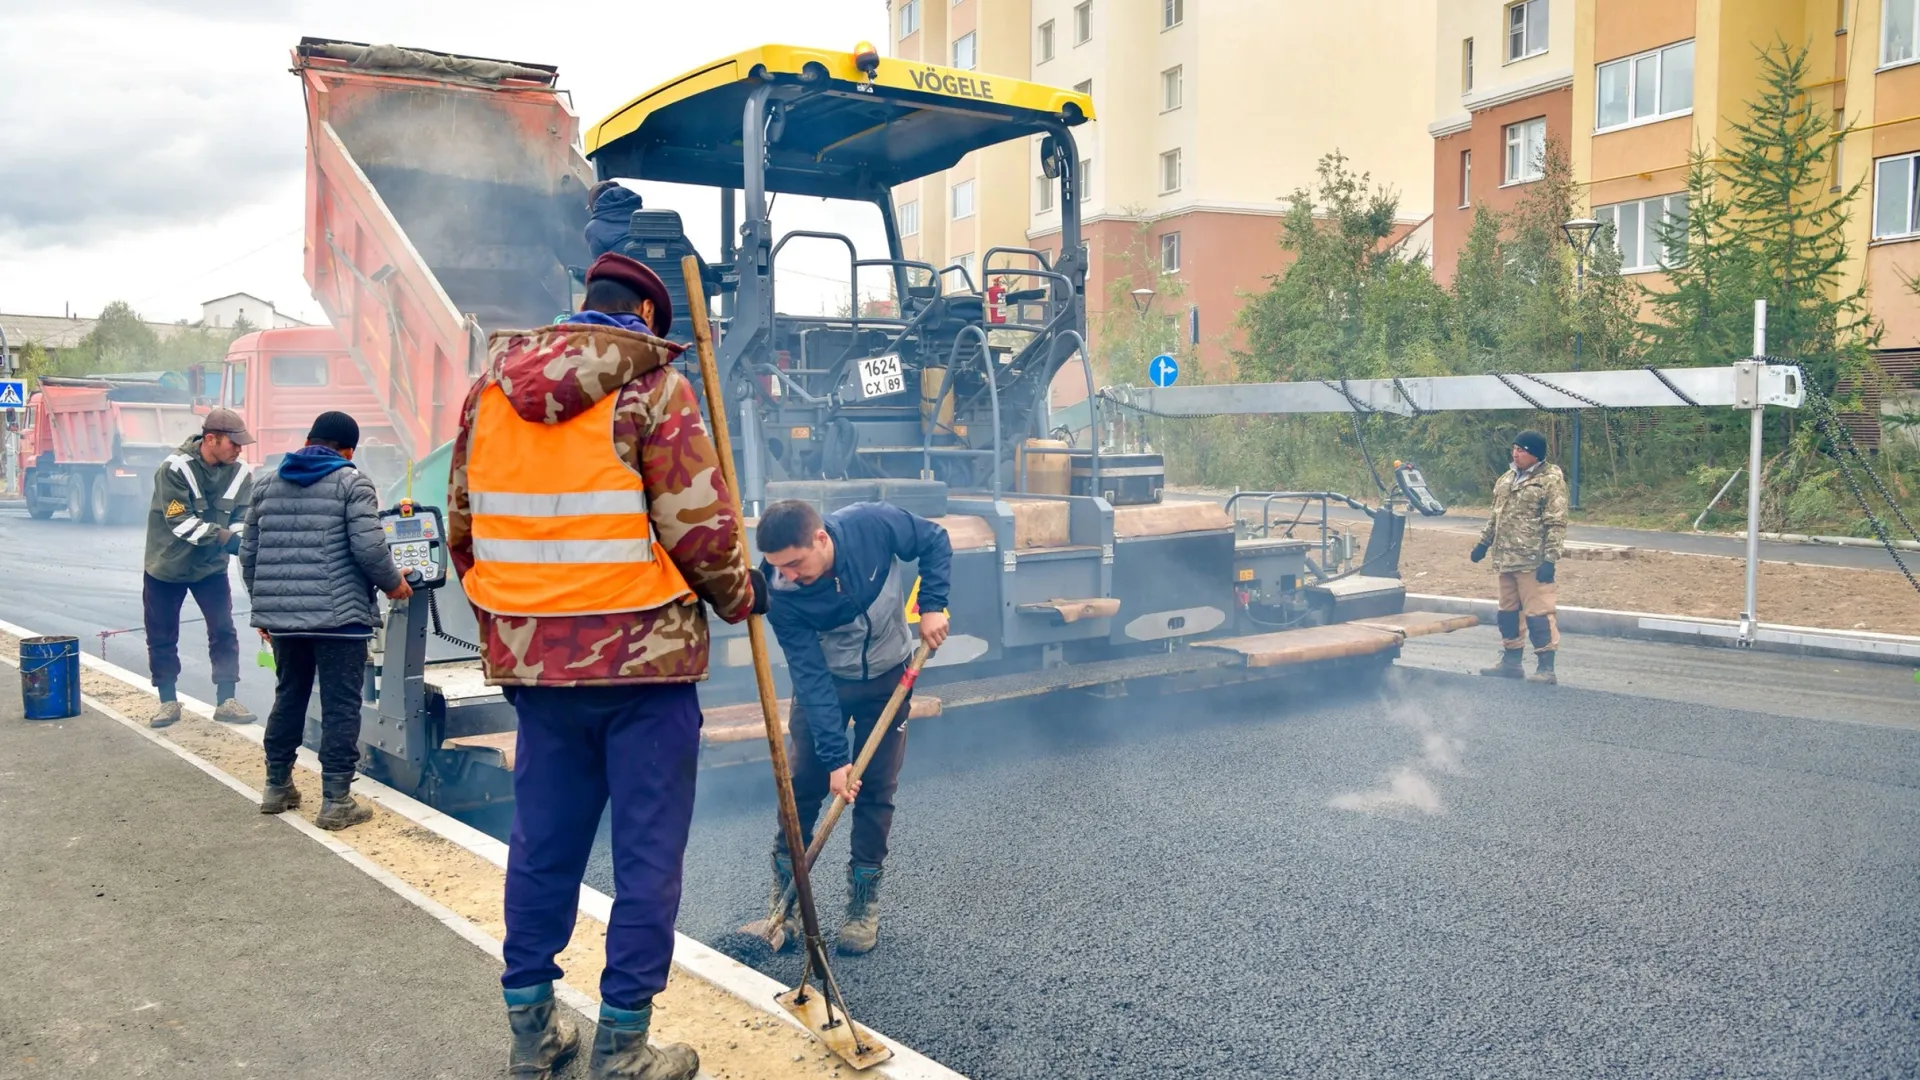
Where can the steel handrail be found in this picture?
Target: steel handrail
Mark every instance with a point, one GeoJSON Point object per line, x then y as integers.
{"type": "Point", "coordinates": [946, 385]}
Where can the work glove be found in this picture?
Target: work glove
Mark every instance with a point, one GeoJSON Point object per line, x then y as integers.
{"type": "Point", "coordinates": [1479, 552]}
{"type": "Point", "coordinates": [1544, 575]}
{"type": "Point", "coordinates": [759, 583]}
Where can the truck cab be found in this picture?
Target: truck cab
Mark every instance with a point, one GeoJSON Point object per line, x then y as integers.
{"type": "Point", "coordinates": [279, 380]}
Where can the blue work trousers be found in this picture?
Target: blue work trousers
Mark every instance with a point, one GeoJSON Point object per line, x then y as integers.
{"type": "Point", "coordinates": [578, 749]}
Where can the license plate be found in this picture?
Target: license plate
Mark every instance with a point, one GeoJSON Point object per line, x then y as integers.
{"type": "Point", "coordinates": [417, 555]}
{"type": "Point", "coordinates": [881, 376]}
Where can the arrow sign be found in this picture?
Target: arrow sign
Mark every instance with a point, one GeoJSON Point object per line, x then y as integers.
{"type": "Point", "coordinates": [13, 394]}
{"type": "Point", "coordinates": [1164, 370]}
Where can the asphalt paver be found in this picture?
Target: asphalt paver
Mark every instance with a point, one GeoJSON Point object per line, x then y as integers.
{"type": "Point", "coordinates": [1445, 876]}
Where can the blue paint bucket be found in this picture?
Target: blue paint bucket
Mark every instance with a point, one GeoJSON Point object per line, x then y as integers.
{"type": "Point", "coordinates": [50, 677]}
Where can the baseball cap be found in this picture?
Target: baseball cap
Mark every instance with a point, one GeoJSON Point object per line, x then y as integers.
{"type": "Point", "coordinates": [227, 422]}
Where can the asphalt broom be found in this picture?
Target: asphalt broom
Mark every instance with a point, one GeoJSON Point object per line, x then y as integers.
{"type": "Point", "coordinates": [824, 1011]}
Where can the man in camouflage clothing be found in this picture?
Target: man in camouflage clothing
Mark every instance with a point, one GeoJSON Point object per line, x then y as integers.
{"type": "Point", "coordinates": [1525, 534]}
{"type": "Point", "coordinates": [604, 690]}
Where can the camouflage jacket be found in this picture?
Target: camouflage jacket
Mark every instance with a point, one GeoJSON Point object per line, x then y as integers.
{"type": "Point", "coordinates": [560, 371]}
{"type": "Point", "coordinates": [1529, 521]}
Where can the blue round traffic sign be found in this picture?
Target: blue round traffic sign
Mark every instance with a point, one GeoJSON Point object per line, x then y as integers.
{"type": "Point", "coordinates": [1164, 370]}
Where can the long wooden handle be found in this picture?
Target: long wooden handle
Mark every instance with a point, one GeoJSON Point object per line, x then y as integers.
{"type": "Point", "coordinates": [868, 749]}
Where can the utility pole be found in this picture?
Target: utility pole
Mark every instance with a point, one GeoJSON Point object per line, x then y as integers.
{"type": "Point", "coordinates": [1579, 233]}
{"type": "Point", "coordinates": [9, 439]}
{"type": "Point", "coordinates": [1748, 395]}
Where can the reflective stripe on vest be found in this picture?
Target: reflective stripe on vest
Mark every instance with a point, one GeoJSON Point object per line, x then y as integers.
{"type": "Point", "coordinates": [560, 523]}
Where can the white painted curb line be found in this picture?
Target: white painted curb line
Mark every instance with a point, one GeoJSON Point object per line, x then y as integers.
{"type": "Point", "coordinates": [696, 959]}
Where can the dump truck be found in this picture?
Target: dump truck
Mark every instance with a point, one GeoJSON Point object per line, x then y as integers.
{"type": "Point", "coordinates": [446, 199]}
{"type": "Point", "coordinates": [92, 443]}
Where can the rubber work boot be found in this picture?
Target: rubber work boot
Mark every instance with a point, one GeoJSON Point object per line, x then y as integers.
{"type": "Point", "coordinates": [543, 1039]}
{"type": "Point", "coordinates": [861, 932]}
{"type": "Point", "coordinates": [166, 716]}
{"type": "Point", "coordinates": [782, 881]}
{"type": "Point", "coordinates": [231, 711]}
{"type": "Point", "coordinates": [1509, 666]}
{"type": "Point", "coordinates": [1544, 672]}
{"type": "Point", "coordinates": [280, 794]}
{"type": "Point", "coordinates": [339, 809]}
{"type": "Point", "coordinates": [621, 1050]}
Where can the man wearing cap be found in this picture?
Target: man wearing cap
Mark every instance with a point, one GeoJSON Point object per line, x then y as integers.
{"type": "Point", "coordinates": [313, 553]}
{"type": "Point", "coordinates": [588, 521]}
{"type": "Point", "coordinates": [200, 496]}
{"type": "Point", "coordinates": [1525, 534]}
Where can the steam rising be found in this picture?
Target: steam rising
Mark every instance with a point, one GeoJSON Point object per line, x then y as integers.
{"type": "Point", "coordinates": [1409, 786]}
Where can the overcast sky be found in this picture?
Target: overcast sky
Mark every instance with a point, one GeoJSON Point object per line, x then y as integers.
{"type": "Point", "coordinates": [152, 150]}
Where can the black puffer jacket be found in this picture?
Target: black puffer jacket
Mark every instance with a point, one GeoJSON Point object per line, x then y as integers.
{"type": "Point", "coordinates": [314, 551]}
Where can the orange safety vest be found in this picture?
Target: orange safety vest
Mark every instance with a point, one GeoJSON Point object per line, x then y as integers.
{"type": "Point", "coordinates": [560, 522]}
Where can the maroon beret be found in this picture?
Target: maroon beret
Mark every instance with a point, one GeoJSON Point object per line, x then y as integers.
{"type": "Point", "coordinates": [643, 281]}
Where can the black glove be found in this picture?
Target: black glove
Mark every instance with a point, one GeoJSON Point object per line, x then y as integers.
{"type": "Point", "coordinates": [759, 582]}
{"type": "Point", "coordinates": [1544, 575]}
{"type": "Point", "coordinates": [1479, 552]}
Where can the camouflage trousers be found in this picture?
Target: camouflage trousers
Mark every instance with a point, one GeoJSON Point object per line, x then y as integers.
{"type": "Point", "coordinates": [1522, 595]}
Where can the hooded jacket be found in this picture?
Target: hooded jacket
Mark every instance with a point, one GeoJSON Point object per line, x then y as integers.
{"type": "Point", "coordinates": [195, 511]}
{"type": "Point", "coordinates": [314, 550]}
{"type": "Point", "coordinates": [557, 372]}
{"type": "Point", "coordinates": [851, 622]}
{"type": "Point", "coordinates": [612, 216]}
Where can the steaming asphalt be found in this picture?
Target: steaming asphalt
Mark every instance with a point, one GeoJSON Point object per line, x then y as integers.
{"type": "Point", "coordinates": [1680, 862]}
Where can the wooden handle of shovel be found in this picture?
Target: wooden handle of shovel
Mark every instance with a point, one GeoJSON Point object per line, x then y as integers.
{"type": "Point", "coordinates": [868, 749]}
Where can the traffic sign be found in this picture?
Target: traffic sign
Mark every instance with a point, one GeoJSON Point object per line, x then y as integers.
{"type": "Point", "coordinates": [13, 394]}
{"type": "Point", "coordinates": [1164, 370]}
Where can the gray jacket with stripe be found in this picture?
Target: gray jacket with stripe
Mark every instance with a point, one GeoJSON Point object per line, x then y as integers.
{"type": "Point", "coordinates": [196, 510]}
{"type": "Point", "coordinates": [314, 552]}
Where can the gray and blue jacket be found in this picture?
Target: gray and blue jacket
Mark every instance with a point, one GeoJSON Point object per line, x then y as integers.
{"type": "Point", "coordinates": [851, 623]}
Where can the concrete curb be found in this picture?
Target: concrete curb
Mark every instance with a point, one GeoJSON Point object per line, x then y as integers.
{"type": "Point", "coordinates": [1830, 541]}
{"type": "Point", "coordinates": [1772, 637]}
{"type": "Point", "coordinates": [710, 966]}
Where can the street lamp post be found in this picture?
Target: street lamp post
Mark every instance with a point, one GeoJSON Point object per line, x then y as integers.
{"type": "Point", "coordinates": [1579, 233]}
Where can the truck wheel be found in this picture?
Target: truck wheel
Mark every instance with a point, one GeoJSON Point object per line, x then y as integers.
{"type": "Point", "coordinates": [79, 507]}
{"type": "Point", "coordinates": [100, 505]}
{"type": "Point", "coordinates": [37, 510]}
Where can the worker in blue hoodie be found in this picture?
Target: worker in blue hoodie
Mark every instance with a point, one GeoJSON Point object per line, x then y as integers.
{"type": "Point", "coordinates": [838, 604]}
{"type": "Point", "coordinates": [312, 555]}
{"type": "Point", "coordinates": [610, 210]}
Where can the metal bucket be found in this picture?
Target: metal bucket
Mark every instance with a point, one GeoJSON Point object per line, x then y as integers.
{"type": "Point", "coordinates": [50, 677]}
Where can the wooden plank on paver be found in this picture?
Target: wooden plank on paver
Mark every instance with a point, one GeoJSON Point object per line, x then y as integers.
{"type": "Point", "coordinates": [1307, 644]}
{"type": "Point", "coordinates": [1415, 624]}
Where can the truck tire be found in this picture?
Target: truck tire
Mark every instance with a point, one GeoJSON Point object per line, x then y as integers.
{"type": "Point", "coordinates": [36, 509]}
{"type": "Point", "coordinates": [79, 506]}
{"type": "Point", "coordinates": [100, 505]}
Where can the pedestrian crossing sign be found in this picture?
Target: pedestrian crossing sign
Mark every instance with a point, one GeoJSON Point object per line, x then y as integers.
{"type": "Point", "coordinates": [13, 394]}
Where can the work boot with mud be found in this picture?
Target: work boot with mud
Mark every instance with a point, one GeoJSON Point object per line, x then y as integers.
{"type": "Point", "coordinates": [543, 1039]}
{"type": "Point", "coordinates": [280, 794]}
{"type": "Point", "coordinates": [621, 1050]}
{"type": "Point", "coordinates": [1509, 666]}
{"type": "Point", "coordinates": [789, 925]}
{"type": "Point", "coordinates": [231, 711]}
{"type": "Point", "coordinates": [339, 809]}
{"type": "Point", "coordinates": [861, 932]}
{"type": "Point", "coordinates": [166, 716]}
{"type": "Point", "coordinates": [1543, 673]}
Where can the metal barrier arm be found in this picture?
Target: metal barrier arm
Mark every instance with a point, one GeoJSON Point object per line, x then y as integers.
{"type": "Point", "coordinates": [1637, 388]}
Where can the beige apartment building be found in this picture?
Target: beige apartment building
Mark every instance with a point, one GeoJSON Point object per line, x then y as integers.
{"type": "Point", "coordinates": [1209, 113]}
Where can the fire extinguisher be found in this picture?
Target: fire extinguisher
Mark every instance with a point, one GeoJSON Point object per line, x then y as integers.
{"type": "Point", "coordinates": [996, 301]}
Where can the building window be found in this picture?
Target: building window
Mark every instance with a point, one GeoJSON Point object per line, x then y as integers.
{"type": "Point", "coordinates": [1083, 23]}
{"type": "Point", "coordinates": [1636, 231]}
{"type": "Point", "coordinates": [1651, 86]}
{"type": "Point", "coordinates": [1046, 41]}
{"type": "Point", "coordinates": [909, 18]}
{"type": "Point", "coordinates": [1083, 180]}
{"type": "Point", "coordinates": [1170, 89]}
{"type": "Point", "coordinates": [1527, 150]}
{"type": "Point", "coordinates": [963, 200]}
{"type": "Point", "coordinates": [1170, 171]}
{"type": "Point", "coordinates": [1466, 66]}
{"type": "Point", "coordinates": [1172, 13]}
{"type": "Point", "coordinates": [1085, 87]}
{"type": "Point", "coordinates": [964, 54]}
{"type": "Point", "coordinates": [1466, 178]}
{"type": "Point", "coordinates": [1896, 211]}
{"type": "Point", "coordinates": [1042, 194]}
{"type": "Point", "coordinates": [1170, 253]}
{"type": "Point", "coordinates": [910, 218]}
{"type": "Point", "coordinates": [1899, 21]}
{"type": "Point", "coordinates": [1526, 29]}
{"type": "Point", "coordinates": [965, 262]}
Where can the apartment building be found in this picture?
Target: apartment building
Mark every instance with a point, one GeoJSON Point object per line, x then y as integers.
{"type": "Point", "coordinates": [1503, 86]}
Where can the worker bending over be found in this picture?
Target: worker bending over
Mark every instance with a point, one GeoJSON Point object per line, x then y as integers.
{"type": "Point", "coordinates": [839, 607]}
{"type": "Point", "coordinates": [1525, 533]}
{"type": "Point", "coordinates": [588, 521]}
